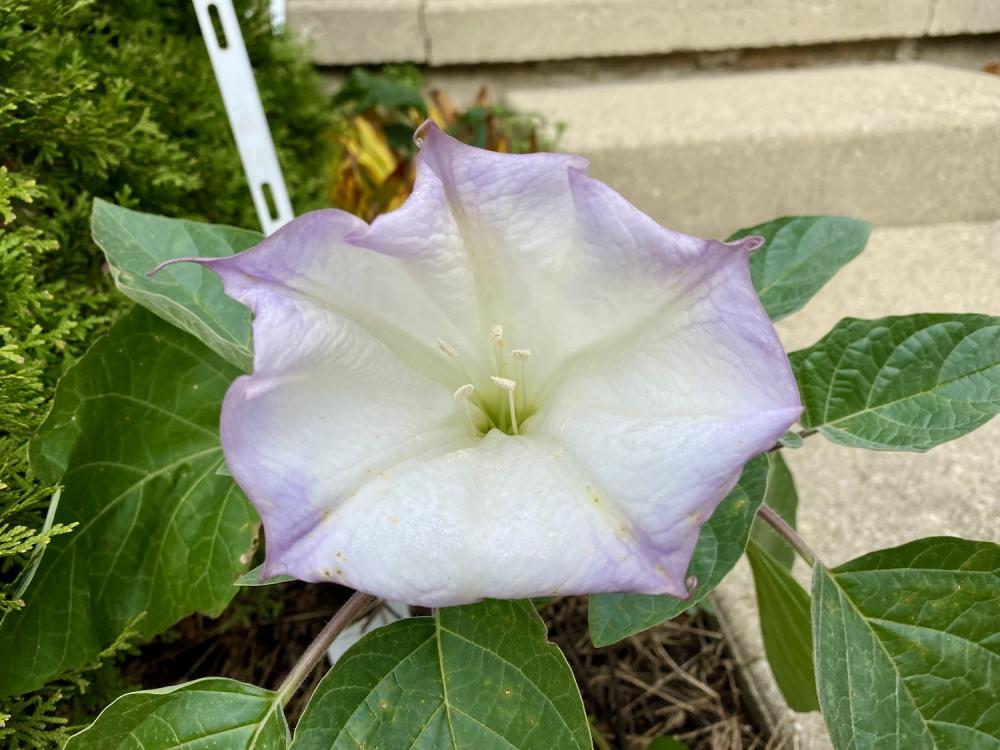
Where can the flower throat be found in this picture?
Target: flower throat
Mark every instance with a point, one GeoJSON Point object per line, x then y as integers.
{"type": "Point", "coordinates": [508, 407]}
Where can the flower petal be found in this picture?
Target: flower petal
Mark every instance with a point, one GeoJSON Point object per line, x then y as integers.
{"type": "Point", "coordinates": [319, 258]}
{"type": "Point", "coordinates": [490, 230]}
{"type": "Point", "coordinates": [508, 518]}
{"type": "Point", "coordinates": [666, 414]}
{"type": "Point", "coordinates": [327, 408]}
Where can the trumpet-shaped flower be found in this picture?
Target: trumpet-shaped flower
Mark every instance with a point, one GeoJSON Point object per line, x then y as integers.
{"type": "Point", "coordinates": [514, 385]}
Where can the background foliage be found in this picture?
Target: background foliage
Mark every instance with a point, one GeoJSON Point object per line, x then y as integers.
{"type": "Point", "coordinates": [114, 100]}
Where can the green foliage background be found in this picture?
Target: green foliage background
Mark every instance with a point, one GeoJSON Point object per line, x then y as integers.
{"type": "Point", "coordinates": [113, 100]}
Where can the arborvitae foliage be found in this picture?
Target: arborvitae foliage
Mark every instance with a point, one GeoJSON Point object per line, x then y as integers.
{"type": "Point", "coordinates": [116, 100]}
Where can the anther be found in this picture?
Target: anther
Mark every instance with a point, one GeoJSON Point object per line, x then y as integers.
{"type": "Point", "coordinates": [496, 335]}
{"type": "Point", "coordinates": [522, 355]}
{"type": "Point", "coordinates": [447, 348]}
{"type": "Point", "coordinates": [506, 384]}
{"type": "Point", "coordinates": [464, 392]}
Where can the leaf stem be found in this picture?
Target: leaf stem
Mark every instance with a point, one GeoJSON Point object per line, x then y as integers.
{"type": "Point", "coordinates": [24, 578]}
{"type": "Point", "coordinates": [790, 535]}
{"type": "Point", "coordinates": [312, 655]}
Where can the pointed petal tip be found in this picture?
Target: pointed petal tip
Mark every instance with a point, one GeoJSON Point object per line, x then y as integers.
{"type": "Point", "coordinates": [749, 244]}
{"type": "Point", "coordinates": [422, 130]}
{"type": "Point", "coordinates": [431, 139]}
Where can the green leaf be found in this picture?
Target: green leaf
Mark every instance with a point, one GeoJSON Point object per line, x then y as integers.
{"type": "Point", "coordinates": [801, 254]}
{"type": "Point", "coordinates": [786, 626]}
{"type": "Point", "coordinates": [480, 676]}
{"type": "Point", "coordinates": [901, 383]}
{"type": "Point", "coordinates": [210, 713]}
{"type": "Point", "coordinates": [133, 437]}
{"type": "Point", "coordinates": [252, 578]}
{"type": "Point", "coordinates": [906, 646]}
{"type": "Point", "coordinates": [186, 294]}
{"type": "Point", "coordinates": [720, 544]}
{"type": "Point", "coordinates": [783, 499]}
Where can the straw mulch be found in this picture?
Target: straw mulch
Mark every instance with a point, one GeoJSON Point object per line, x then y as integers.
{"type": "Point", "coordinates": [678, 680]}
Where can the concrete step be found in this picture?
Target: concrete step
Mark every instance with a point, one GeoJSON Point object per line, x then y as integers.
{"type": "Point", "coordinates": [897, 143]}
{"type": "Point", "coordinates": [444, 32]}
{"type": "Point", "coordinates": [855, 501]}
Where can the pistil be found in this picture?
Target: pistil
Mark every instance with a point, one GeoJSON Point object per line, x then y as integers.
{"type": "Point", "coordinates": [522, 356]}
{"type": "Point", "coordinates": [496, 338]}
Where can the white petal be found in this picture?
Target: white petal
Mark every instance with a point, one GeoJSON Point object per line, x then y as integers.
{"type": "Point", "coordinates": [327, 409]}
{"type": "Point", "coordinates": [507, 518]}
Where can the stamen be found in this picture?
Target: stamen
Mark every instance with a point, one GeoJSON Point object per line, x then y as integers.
{"type": "Point", "coordinates": [505, 384]}
{"type": "Point", "coordinates": [522, 356]}
{"type": "Point", "coordinates": [452, 353]}
{"type": "Point", "coordinates": [463, 394]}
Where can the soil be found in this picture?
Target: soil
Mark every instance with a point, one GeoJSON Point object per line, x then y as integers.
{"type": "Point", "coordinates": [677, 680]}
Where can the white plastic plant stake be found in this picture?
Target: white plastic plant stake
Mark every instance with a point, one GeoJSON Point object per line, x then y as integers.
{"type": "Point", "coordinates": [277, 9]}
{"type": "Point", "coordinates": [245, 112]}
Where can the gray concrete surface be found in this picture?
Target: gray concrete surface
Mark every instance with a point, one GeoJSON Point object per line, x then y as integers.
{"type": "Point", "coordinates": [464, 31]}
{"type": "Point", "coordinates": [963, 16]}
{"type": "Point", "coordinates": [897, 144]}
{"type": "Point", "coordinates": [855, 501]}
{"type": "Point", "coordinates": [348, 32]}
{"type": "Point", "coordinates": [463, 82]}
{"type": "Point", "coordinates": [442, 32]}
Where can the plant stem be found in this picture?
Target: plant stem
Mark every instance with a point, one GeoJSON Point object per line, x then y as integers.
{"type": "Point", "coordinates": [599, 740]}
{"type": "Point", "coordinates": [317, 649]}
{"type": "Point", "coordinates": [786, 532]}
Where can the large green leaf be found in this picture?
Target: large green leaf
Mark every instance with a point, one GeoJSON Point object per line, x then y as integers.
{"type": "Point", "coordinates": [786, 627]}
{"type": "Point", "coordinates": [211, 713]}
{"type": "Point", "coordinates": [720, 544]}
{"type": "Point", "coordinates": [801, 254]}
{"type": "Point", "coordinates": [784, 500]}
{"type": "Point", "coordinates": [480, 676]}
{"type": "Point", "coordinates": [133, 436]}
{"type": "Point", "coordinates": [901, 383]}
{"type": "Point", "coordinates": [186, 294]}
{"type": "Point", "coordinates": [907, 647]}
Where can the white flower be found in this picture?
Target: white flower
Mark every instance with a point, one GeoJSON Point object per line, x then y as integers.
{"type": "Point", "coordinates": [515, 385]}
